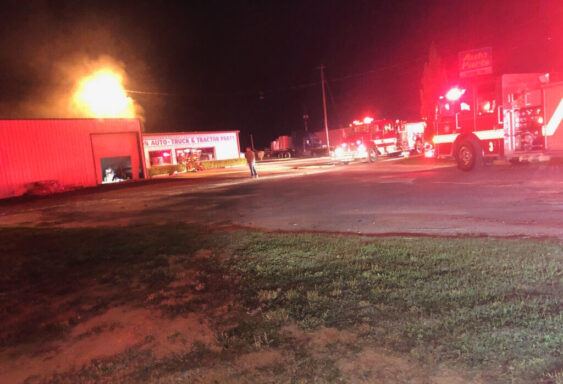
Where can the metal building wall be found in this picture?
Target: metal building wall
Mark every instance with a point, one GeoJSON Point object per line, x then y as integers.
{"type": "Point", "coordinates": [58, 149]}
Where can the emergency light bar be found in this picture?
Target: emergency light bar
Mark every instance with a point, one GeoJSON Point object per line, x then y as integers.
{"type": "Point", "coordinates": [455, 94]}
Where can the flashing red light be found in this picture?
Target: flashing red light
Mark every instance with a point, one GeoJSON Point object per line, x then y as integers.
{"type": "Point", "coordinates": [368, 120]}
{"type": "Point", "coordinates": [454, 94]}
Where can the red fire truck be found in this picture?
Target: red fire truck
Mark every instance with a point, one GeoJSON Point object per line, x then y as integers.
{"type": "Point", "coordinates": [516, 117]}
{"type": "Point", "coordinates": [369, 139]}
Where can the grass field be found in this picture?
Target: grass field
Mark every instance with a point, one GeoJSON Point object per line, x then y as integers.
{"type": "Point", "coordinates": [310, 306]}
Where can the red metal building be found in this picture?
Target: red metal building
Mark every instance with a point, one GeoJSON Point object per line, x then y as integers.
{"type": "Point", "coordinates": [68, 152]}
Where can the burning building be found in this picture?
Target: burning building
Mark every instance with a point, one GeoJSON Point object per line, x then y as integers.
{"type": "Point", "coordinates": [68, 153]}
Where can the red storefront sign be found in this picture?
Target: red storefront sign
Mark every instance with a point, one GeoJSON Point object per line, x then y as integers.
{"type": "Point", "coordinates": [476, 62]}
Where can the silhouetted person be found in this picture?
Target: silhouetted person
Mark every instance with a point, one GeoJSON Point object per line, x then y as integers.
{"type": "Point", "coordinates": [251, 160]}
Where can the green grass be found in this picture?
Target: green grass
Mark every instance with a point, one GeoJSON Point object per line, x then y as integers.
{"type": "Point", "coordinates": [481, 302]}
{"type": "Point", "coordinates": [492, 305]}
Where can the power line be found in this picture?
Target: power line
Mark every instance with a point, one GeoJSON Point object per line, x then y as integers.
{"type": "Point", "coordinates": [150, 93]}
{"type": "Point", "coordinates": [296, 87]}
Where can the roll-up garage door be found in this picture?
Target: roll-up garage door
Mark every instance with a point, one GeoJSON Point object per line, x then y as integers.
{"type": "Point", "coordinates": [116, 157]}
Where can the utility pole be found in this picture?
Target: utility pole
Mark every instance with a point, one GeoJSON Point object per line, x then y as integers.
{"type": "Point", "coordinates": [305, 118]}
{"type": "Point", "coordinates": [322, 68]}
{"type": "Point", "coordinates": [252, 141]}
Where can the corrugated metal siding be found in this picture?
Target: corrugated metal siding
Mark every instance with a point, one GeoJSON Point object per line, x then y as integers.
{"type": "Point", "coordinates": [41, 150]}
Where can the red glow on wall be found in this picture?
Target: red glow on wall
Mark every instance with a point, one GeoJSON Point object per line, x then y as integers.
{"type": "Point", "coordinates": [66, 151]}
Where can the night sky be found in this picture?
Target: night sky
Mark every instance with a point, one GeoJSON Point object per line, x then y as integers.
{"type": "Point", "coordinates": [253, 65]}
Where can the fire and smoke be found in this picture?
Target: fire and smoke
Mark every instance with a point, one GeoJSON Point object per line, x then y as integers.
{"type": "Point", "coordinates": [80, 87]}
{"type": "Point", "coordinates": [98, 89]}
{"type": "Point", "coordinates": [49, 50]}
{"type": "Point", "coordinates": [102, 95]}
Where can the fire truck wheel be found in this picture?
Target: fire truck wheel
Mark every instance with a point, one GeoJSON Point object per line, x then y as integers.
{"type": "Point", "coordinates": [469, 155]}
{"type": "Point", "coordinates": [372, 155]}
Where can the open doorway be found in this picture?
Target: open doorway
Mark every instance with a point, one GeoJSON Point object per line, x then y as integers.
{"type": "Point", "coordinates": [116, 169]}
{"type": "Point", "coordinates": [117, 152]}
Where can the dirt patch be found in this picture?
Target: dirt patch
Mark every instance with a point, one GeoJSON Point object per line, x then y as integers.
{"type": "Point", "coordinates": [256, 367]}
{"type": "Point", "coordinates": [309, 356]}
{"type": "Point", "coordinates": [122, 329]}
{"type": "Point", "coordinates": [322, 337]}
{"type": "Point", "coordinates": [104, 336]}
{"type": "Point", "coordinates": [380, 366]}
{"type": "Point", "coordinates": [360, 363]}
{"type": "Point", "coordinates": [162, 325]}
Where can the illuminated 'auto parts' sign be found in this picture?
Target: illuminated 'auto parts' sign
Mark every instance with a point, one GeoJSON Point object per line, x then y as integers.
{"type": "Point", "coordinates": [476, 62]}
{"type": "Point", "coordinates": [188, 139]}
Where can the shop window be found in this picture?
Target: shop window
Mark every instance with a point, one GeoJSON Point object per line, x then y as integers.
{"type": "Point", "coordinates": [181, 155]}
{"type": "Point", "coordinates": [160, 157]}
{"type": "Point", "coordinates": [202, 154]}
{"type": "Point", "coordinates": [116, 169]}
{"type": "Point", "coordinates": [207, 154]}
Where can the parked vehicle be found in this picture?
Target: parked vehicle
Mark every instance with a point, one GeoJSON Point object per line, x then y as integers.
{"type": "Point", "coordinates": [515, 116]}
{"type": "Point", "coordinates": [371, 139]}
{"type": "Point", "coordinates": [299, 144]}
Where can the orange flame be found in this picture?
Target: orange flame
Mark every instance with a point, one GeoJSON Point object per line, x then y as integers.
{"type": "Point", "coordinates": [102, 95]}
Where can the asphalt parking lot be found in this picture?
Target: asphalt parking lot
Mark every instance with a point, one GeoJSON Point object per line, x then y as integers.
{"type": "Point", "coordinates": [410, 196]}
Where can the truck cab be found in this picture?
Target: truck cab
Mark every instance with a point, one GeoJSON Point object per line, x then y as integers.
{"type": "Point", "coordinates": [368, 140]}
{"type": "Point", "coordinates": [491, 118]}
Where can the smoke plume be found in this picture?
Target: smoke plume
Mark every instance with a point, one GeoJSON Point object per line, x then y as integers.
{"type": "Point", "coordinates": [44, 56]}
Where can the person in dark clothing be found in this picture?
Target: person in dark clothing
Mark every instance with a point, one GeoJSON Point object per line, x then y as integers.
{"type": "Point", "coordinates": [251, 160]}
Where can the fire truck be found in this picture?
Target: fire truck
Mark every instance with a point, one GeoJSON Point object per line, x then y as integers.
{"type": "Point", "coordinates": [370, 139]}
{"type": "Point", "coordinates": [515, 117]}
